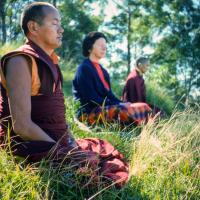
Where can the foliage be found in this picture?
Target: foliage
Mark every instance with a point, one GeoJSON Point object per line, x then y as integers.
{"type": "Point", "coordinates": [160, 98]}
{"type": "Point", "coordinates": [68, 68]}
{"type": "Point", "coordinates": [77, 21]}
{"type": "Point", "coordinates": [171, 30]}
{"type": "Point", "coordinates": [177, 24]}
{"type": "Point", "coordinates": [9, 47]}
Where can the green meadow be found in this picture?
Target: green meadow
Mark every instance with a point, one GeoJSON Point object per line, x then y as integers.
{"type": "Point", "coordinates": [163, 156]}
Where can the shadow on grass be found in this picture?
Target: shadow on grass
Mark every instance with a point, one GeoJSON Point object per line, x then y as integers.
{"type": "Point", "coordinates": [64, 184]}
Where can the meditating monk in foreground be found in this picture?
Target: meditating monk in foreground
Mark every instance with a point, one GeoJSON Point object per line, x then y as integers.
{"type": "Point", "coordinates": [32, 110]}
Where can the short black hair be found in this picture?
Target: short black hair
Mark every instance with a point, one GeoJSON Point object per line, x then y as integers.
{"type": "Point", "coordinates": [34, 12]}
{"type": "Point", "coordinates": [141, 60]}
{"type": "Point", "coordinates": [89, 40]}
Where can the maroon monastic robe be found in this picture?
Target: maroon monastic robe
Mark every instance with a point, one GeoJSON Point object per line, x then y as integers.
{"type": "Point", "coordinates": [134, 89]}
{"type": "Point", "coordinates": [47, 108]}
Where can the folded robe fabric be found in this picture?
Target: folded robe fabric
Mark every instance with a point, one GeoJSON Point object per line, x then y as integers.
{"type": "Point", "coordinates": [96, 154]}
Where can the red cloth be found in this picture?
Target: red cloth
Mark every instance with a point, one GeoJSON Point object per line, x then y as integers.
{"type": "Point", "coordinates": [134, 89]}
{"type": "Point", "coordinates": [92, 155]}
{"type": "Point", "coordinates": [113, 166]}
{"type": "Point", "coordinates": [135, 92]}
{"type": "Point", "coordinates": [101, 76]}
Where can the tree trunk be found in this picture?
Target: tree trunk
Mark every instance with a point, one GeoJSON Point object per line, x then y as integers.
{"type": "Point", "coordinates": [3, 20]}
{"type": "Point", "coordinates": [54, 2]}
{"type": "Point", "coordinates": [10, 26]}
{"type": "Point", "coordinates": [129, 43]}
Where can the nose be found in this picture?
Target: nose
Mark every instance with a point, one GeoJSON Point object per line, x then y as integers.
{"type": "Point", "coordinates": [61, 30]}
{"type": "Point", "coordinates": [104, 48]}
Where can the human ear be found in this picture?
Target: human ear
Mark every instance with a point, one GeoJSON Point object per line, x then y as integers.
{"type": "Point", "coordinates": [32, 27]}
{"type": "Point", "coordinates": [139, 65]}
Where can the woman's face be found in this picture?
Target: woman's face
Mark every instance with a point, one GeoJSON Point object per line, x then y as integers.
{"type": "Point", "coordinates": [99, 48]}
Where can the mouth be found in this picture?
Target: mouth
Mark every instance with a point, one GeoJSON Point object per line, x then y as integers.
{"type": "Point", "coordinates": [60, 38]}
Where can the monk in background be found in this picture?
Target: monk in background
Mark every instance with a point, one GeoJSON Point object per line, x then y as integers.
{"type": "Point", "coordinates": [135, 90]}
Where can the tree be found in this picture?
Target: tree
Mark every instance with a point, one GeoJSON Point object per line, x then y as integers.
{"type": "Point", "coordinates": [3, 19]}
{"type": "Point", "coordinates": [171, 28]}
{"type": "Point", "coordinates": [131, 27]}
{"type": "Point", "coordinates": [10, 28]}
{"type": "Point", "coordinates": [77, 21]}
{"type": "Point", "coordinates": [178, 23]}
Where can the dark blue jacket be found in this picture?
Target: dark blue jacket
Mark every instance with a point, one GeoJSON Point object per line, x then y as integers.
{"type": "Point", "coordinates": [89, 89]}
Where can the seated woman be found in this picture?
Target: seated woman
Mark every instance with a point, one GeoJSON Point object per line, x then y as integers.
{"type": "Point", "coordinates": [91, 86]}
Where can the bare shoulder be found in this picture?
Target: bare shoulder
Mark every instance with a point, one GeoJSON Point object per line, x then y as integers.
{"type": "Point", "coordinates": [18, 64]}
{"type": "Point", "coordinates": [18, 60]}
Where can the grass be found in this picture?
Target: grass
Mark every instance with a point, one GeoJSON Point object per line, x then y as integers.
{"type": "Point", "coordinates": [68, 68]}
{"type": "Point", "coordinates": [159, 97]}
{"type": "Point", "coordinates": [164, 161]}
{"type": "Point", "coordinates": [164, 158]}
{"type": "Point", "coordinates": [17, 181]}
{"type": "Point", "coordinates": [9, 47]}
